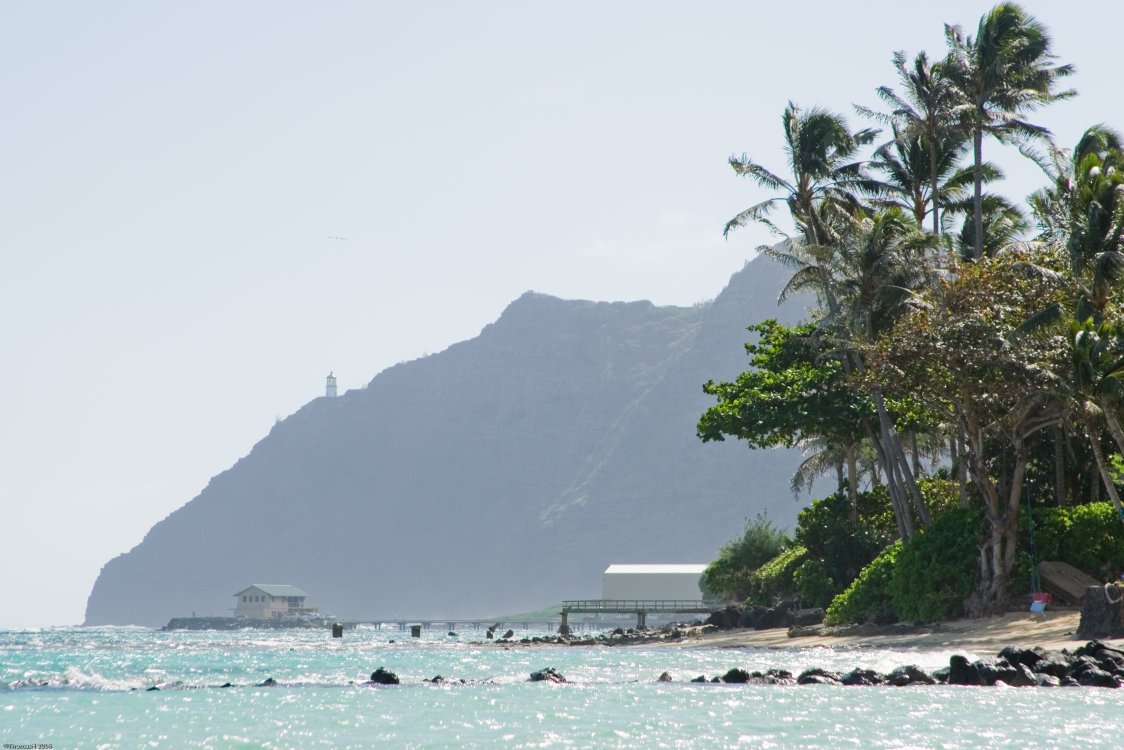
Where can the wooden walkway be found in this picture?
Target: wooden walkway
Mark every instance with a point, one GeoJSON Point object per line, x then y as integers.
{"type": "Point", "coordinates": [642, 608]}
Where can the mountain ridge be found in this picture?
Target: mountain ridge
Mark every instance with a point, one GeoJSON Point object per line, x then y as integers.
{"type": "Point", "coordinates": [505, 471]}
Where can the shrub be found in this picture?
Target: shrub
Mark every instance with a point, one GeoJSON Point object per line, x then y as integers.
{"type": "Point", "coordinates": [941, 494]}
{"type": "Point", "coordinates": [813, 583]}
{"type": "Point", "coordinates": [729, 574]}
{"type": "Point", "coordinates": [1089, 537]}
{"type": "Point", "coordinates": [838, 549]}
{"type": "Point", "coordinates": [829, 549]}
{"type": "Point", "coordinates": [774, 579]}
{"type": "Point", "coordinates": [869, 594]}
{"type": "Point", "coordinates": [936, 570]}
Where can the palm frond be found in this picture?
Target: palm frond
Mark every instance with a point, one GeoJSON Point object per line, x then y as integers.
{"type": "Point", "coordinates": [1039, 320]}
{"type": "Point", "coordinates": [745, 167]}
{"type": "Point", "coordinates": [756, 213]}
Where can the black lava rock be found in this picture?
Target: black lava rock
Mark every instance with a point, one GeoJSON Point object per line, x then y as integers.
{"type": "Point", "coordinates": [383, 676]}
{"type": "Point", "coordinates": [962, 672]}
{"type": "Point", "coordinates": [550, 674]}
{"type": "Point", "coordinates": [817, 676]}
{"type": "Point", "coordinates": [863, 677]}
{"type": "Point", "coordinates": [910, 675]}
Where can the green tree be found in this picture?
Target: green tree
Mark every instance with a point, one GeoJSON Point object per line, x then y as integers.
{"type": "Point", "coordinates": [868, 278]}
{"type": "Point", "coordinates": [792, 392]}
{"type": "Point", "coordinates": [1083, 211]}
{"type": "Point", "coordinates": [1002, 74]}
{"type": "Point", "coordinates": [959, 354]}
{"type": "Point", "coordinates": [795, 392]}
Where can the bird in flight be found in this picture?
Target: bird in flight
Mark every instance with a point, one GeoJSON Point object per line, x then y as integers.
{"type": "Point", "coordinates": [335, 238]}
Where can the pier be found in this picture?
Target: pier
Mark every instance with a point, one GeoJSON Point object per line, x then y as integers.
{"type": "Point", "coordinates": [642, 608]}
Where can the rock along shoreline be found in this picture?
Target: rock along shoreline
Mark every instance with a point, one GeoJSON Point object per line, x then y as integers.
{"type": "Point", "coordinates": [1095, 664]}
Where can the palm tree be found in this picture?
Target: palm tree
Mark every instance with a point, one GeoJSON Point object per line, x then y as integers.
{"type": "Point", "coordinates": [1097, 361]}
{"type": "Point", "coordinates": [821, 152]}
{"type": "Point", "coordinates": [1083, 212]}
{"type": "Point", "coordinates": [1054, 207]}
{"type": "Point", "coordinates": [866, 279]}
{"type": "Point", "coordinates": [1002, 74]}
{"type": "Point", "coordinates": [1003, 224]}
{"type": "Point", "coordinates": [851, 463]}
{"type": "Point", "coordinates": [908, 181]}
{"type": "Point", "coordinates": [922, 116]}
{"type": "Point", "coordinates": [1096, 231]}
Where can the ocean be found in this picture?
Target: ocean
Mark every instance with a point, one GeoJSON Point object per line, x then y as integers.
{"type": "Point", "coordinates": [90, 688]}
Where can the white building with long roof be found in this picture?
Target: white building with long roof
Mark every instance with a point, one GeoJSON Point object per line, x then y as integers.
{"type": "Point", "coordinates": [652, 582]}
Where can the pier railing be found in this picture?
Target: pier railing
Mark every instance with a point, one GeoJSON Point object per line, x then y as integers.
{"type": "Point", "coordinates": [641, 607]}
{"type": "Point", "coordinates": [627, 606]}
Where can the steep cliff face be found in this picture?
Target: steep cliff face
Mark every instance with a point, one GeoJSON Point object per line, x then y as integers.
{"type": "Point", "coordinates": [502, 474]}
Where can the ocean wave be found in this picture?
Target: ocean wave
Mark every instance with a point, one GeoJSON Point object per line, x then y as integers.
{"type": "Point", "coordinates": [74, 677]}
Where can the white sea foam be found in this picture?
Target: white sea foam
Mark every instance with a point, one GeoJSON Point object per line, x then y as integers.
{"type": "Point", "coordinates": [75, 677]}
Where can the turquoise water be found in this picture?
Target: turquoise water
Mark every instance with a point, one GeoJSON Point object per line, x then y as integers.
{"type": "Point", "coordinates": [96, 696]}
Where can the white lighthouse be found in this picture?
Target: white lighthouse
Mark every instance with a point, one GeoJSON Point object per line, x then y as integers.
{"type": "Point", "coordinates": [330, 388]}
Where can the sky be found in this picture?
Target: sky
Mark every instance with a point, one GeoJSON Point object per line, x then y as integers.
{"type": "Point", "coordinates": [207, 207]}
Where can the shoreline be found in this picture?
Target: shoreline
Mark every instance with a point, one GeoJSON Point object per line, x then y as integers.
{"type": "Point", "coordinates": [1051, 630]}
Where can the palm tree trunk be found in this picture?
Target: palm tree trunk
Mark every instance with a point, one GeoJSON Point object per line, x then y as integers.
{"type": "Point", "coordinates": [896, 465]}
{"type": "Point", "coordinates": [915, 454]}
{"type": "Point", "coordinates": [897, 501]}
{"type": "Point", "coordinates": [933, 186]}
{"type": "Point", "coordinates": [1014, 499]}
{"type": "Point", "coordinates": [898, 459]}
{"type": "Point", "coordinates": [1113, 422]}
{"type": "Point", "coordinates": [977, 179]}
{"type": "Point", "coordinates": [962, 470]}
{"type": "Point", "coordinates": [1059, 465]}
{"type": "Point", "coordinates": [853, 481]}
{"type": "Point", "coordinates": [1106, 477]}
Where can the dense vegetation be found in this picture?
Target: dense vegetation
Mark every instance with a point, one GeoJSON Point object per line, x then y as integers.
{"type": "Point", "coordinates": [953, 329]}
{"type": "Point", "coordinates": [729, 574]}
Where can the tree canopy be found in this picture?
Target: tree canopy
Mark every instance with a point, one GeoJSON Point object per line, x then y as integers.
{"type": "Point", "coordinates": [996, 354]}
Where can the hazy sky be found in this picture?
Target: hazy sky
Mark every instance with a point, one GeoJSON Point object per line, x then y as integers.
{"type": "Point", "coordinates": [175, 179]}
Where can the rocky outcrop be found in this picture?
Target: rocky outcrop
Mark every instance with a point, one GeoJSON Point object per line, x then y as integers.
{"type": "Point", "coordinates": [1095, 664]}
{"type": "Point", "coordinates": [784, 615]}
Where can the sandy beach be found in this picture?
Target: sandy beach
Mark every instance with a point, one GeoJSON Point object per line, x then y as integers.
{"type": "Point", "coordinates": [1052, 630]}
